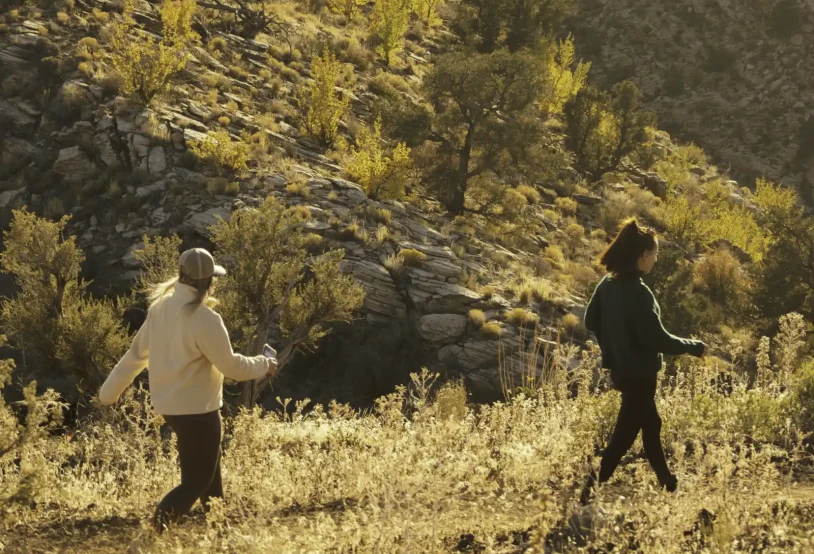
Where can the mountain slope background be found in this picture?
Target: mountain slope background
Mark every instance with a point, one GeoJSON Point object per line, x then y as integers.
{"type": "Point", "coordinates": [734, 77]}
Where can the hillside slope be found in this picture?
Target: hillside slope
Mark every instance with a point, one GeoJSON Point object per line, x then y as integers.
{"type": "Point", "coordinates": [735, 77]}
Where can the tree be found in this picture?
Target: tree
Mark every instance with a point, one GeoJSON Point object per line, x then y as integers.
{"type": "Point", "coordinates": [486, 121]}
{"type": "Point", "coordinates": [381, 176]}
{"type": "Point", "coordinates": [274, 288]}
{"type": "Point", "coordinates": [603, 128]}
{"type": "Point", "coordinates": [348, 8]}
{"type": "Point", "coordinates": [785, 279]}
{"type": "Point", "coordinates": [565, 81]}
{"type": "Point", "coordinates": [322, 108]}
{"type": "Point", "coordinates": [52, 319]}
{"type": "Point", "coordinates": [388, 24]}
{"type": "Point", "coordinates": [427, 11]}
{"type": "Point", "coordinates": [146, 66]}
{"type": "Point", "coordinates": [516, 24]}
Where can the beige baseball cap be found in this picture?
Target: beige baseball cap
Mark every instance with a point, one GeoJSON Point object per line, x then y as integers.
{"type": "Point", "coordinates": [197, 263]}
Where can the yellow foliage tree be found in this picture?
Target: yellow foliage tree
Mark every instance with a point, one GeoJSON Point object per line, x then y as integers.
{"type": "Point", "coordinates": [388, 24]}
{"type": "Point", "coordinates": [146, 66]}
{"type": "Point", "coordinates": [427, 10]}
{"type": "Point", "coordinates": [322, 107]}
{"type": "Point", "coordinates": [381, 176]}
{"type": "Point", "coordinates": [565, 82]}
{"type": "Point", "coordinates": [347, 8]}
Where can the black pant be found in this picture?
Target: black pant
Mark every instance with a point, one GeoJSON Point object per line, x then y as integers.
{"type": "Point", "coordinates": [199, 451]}
{"type": "Point", "coordinates": [638, 412]}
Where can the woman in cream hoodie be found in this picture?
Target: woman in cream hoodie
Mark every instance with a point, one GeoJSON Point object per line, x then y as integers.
{"type": "Point", "coordinates": [187, 350]}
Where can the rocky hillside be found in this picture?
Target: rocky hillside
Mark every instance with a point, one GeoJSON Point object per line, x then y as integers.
{"type": "Point", "coordinates": [735, 77]}
{"type": "Point", "coordinates": [458, 295]}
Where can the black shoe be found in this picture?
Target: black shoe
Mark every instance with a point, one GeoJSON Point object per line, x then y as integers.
{"type": "Point", "coordinates": [670, 484]}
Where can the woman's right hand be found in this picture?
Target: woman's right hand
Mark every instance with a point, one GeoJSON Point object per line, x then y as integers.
{"type": "Point", "coordinates": [271, 366]}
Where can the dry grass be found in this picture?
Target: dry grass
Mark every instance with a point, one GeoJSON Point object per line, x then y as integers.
{"type": "Point", "coordinates": [491, 330]}
{"type": "Point", "coordinates": [477, 318]}
{"type": "Point", "coordinates": [412, 257]}
{"type": "Point", "coordinates": [522, 317]}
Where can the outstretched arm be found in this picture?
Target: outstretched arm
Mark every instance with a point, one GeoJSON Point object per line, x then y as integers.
{"type": "Point", "coordinates": [133, 362]}
{"type": "Point", "coordinates": [213, 340]}
{"type": "Point", "coordinates": [651, 333]}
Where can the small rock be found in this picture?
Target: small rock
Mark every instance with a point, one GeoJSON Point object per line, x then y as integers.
{"type": "Point", "coordinates": [9, 196]}
{"type": "Point", "coordinates": [588, 200]}
{"type": "Point", "coordinates": [797, 40]}
{"type": "Point", "coordinates": [147, 190]}
{"type": "Point", "coordinates": [129, 259]}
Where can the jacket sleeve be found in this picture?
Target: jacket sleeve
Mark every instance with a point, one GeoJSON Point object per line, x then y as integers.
{"type": "Point", "coordinates": [213, 341]}
{"type": "Point", "coordinates": [651, 333]}
{"type": "Point", "coordinates": [133, 363]}
{"type": "Point", "coordinates": [593, 321]}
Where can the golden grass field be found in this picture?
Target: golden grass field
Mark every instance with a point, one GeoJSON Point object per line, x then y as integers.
{"type": "Point", "coordinates": [425, 472]}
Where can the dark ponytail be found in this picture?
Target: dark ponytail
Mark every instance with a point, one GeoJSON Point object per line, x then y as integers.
{"type": "Point", "coordinates": [622, 256]}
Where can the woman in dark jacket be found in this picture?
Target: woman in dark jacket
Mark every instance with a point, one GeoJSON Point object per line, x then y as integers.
{"type": "Point", "coordinates": [626, 319]}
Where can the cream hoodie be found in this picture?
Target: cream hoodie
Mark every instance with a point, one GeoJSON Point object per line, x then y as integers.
{"type": "Point", "coordinates": [188, 354]}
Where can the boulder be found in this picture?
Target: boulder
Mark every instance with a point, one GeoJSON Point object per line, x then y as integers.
{"type": "Point", "coordinates": [73, 164]}
{"type": "Point", "coordinates": [9, 196]}
{"type": "Point", "coordinates": [106, 150]}
{"type": "Point", "coordinates": [157, 162]}
{"type": "Point", "coordinates": [442, 328]}
{"type": "Point", "coordinates": [201, 222]}
{"type": "Point", "coordinates": [381, 295]}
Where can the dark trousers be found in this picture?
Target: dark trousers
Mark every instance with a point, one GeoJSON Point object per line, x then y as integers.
{"type": "Point", "coordinates": [199, 452]}
{"type": "Point", "coordinates": [638, 412]}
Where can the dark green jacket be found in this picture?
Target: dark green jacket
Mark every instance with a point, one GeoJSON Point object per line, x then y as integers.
{"type": "Point", "coordinates": [626, 319]}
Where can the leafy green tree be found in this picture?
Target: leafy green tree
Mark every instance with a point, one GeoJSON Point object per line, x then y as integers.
{"type": "Point", "coordinates": [604, 128]}
{"type": "Point", "coordinates": [487, 119]}
{"type": "Point", "coordinates": [52, 319]}
{"type": "Point", "coordinates": [274, 288]}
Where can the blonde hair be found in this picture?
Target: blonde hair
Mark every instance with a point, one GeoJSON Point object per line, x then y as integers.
{"type": "Point", "coordinates": [203, 288]}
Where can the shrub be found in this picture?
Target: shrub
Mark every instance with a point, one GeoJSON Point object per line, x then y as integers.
{"type": "Point", "coordinates": [512, 204]}
{"type": "Point", "coordinates": [379, 175]}
{"type": "Point", "coordinates": [44, 413]}
{"type": "Point", "coordinates": [477, 318]}
{"type": "Point", "coordinates": [554, 253]}
{"type": "Point", "coordinates": [388, 24]}
{"type": "Point", "coordinates": [147, 67]}
{"type": "Point", "coordinates": [268, 276]}
{"type": "Point", "coordinates": [683, 220]}
{"type": "Point", "coordinates": [567, 206]}
{"type": "Point", "coordinates": [572, 327]}
{"type": "Point", "coordinates": [394, 264]}
{"type": "Point", "coordinates": [387, 84]}
{"type": "Point", "coordinates": [51, 318]}
{"type": "Point", "coordinates": [531, 194]}
{"type": "Point", "coordinates": [299, 188]}
{"type": "Point", "coordinates": [322, 109]}
{"type": "Point", "coordinates": [450, 402]}
{"type": "Point", "coordinates": [522, 317]}
{"type": "Point", "coordinates": [218, 148]}
{"type": "Point", "coordinates": [353, 231]}
{"type": "Point", "coordinates": [224, 121]}
{"type": "Point", "coordinates": [487, 292]}
{"type": "Point", "coordinates": [427, 11]}
{"type": "Point", "coordinates": [491, 330]}
{"type": "Point", "coordinates": [217, 186]}
{"type": "Point", "coordinates": [719, 274]}
{"type": "Point", "coordinates": [412, 257]}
